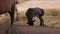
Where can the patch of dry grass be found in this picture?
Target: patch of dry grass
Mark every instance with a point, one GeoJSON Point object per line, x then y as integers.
{"type": "Point", "coordinates": [51, 18]}
{"type": "Point", "coordinates": [3, 18]}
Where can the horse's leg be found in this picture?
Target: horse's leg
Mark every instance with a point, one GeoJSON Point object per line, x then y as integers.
{"type": "Point", "coordinates": [41, 21]}
{"type": "Point", "coordinates": [11, 13]}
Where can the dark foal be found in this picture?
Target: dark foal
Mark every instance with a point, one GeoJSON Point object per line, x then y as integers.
{"type": "Point", "coordinates": [31, 12]}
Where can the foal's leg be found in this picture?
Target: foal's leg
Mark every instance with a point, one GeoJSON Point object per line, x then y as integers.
{"type": "Point", "coordinates": [30, 21]}
{"type": "Point", "coordinates": [11, 13]}
{"type": "Point", "coordinates": [41, 21]}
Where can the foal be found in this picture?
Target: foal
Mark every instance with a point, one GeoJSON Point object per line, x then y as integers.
{"type": "Point", "coordinates": [32, 12]}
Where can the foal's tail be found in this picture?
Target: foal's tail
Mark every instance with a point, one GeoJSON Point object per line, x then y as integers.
{"type": "Point", "coordinates": [42, 12]}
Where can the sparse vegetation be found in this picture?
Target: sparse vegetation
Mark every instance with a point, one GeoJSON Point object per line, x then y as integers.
{"type": "Point", "coordinates": [51, 18]}
{"type": "Point", "coordinates": [23, 1]}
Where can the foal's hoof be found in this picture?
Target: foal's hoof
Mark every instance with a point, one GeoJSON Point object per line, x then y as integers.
{"type": "Point", "coordinates": [27, 23]}
{"type": "Point", "coordinates": [33, 21]}
{"type": "Point", "coordinates": [43, 25]}
{"type": "Point", "coordinates": [30, 24]}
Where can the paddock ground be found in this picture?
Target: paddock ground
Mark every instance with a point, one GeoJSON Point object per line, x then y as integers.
{"type": "Point", "coordinates": [25, 29]}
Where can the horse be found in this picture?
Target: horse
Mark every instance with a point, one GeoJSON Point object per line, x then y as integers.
{"type": "Point", "coordinates": [8, 6]}
{"type": "Point", "coordinates": [32, 12]}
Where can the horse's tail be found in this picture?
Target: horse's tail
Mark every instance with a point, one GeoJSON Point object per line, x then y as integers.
{"type": "Point", "coordinates": [16, 14]}
{"type": "Point", "coordinates": [17, 2]}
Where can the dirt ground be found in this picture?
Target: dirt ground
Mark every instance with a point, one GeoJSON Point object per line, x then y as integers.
{"type": "Point", "coordinates": [25, 29]}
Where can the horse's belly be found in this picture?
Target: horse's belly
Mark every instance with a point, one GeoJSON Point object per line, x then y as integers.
{"type": "Point", "coordinates": [2, 12]}
{"type": "Point", "coordinates": [4, 8]}
{"type": "Point", "coordinates": [5, 5]}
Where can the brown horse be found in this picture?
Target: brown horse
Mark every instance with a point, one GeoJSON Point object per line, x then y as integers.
{"type": "Point", "coordinates": [31, 12]}
{"type": "Point", "coordinates": [8, 6]}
